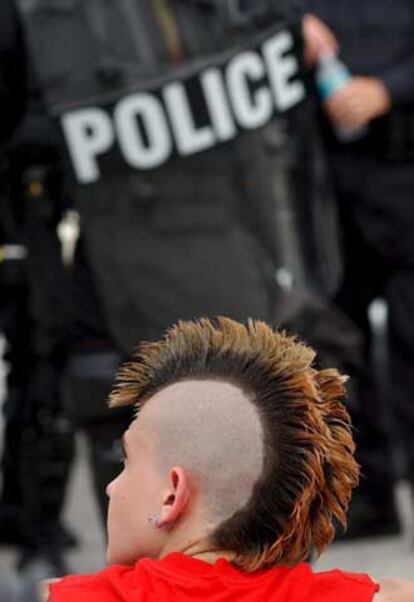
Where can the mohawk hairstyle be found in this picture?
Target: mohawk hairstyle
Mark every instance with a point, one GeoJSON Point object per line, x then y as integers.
{"type": "Point", "coordinates": [309, 468]}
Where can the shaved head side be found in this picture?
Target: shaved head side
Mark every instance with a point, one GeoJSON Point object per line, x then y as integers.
{"type": "Point", "coordinates": [265, 431]}
{"type": "Point", "coordinates": [212, 429]}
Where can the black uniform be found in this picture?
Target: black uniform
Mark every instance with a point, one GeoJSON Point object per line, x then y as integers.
{"type": "Point", "coordinates": [12, 82]}
{"type": "Point", "coordinates": [374, 182]}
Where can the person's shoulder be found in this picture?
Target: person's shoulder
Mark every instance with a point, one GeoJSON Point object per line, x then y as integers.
{"type": "Point", "coordinates": [97, 586]}
{"type": "Point", "coordinates": [395, 590]}
{"type": "Point", "coordinates": [344, 585]}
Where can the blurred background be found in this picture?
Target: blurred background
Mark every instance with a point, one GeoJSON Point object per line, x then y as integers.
{"type": "Point", "coordinates": [169, 159]}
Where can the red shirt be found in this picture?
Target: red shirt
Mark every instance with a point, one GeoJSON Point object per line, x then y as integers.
{"type": "Point", "coordinates": [178, 577]}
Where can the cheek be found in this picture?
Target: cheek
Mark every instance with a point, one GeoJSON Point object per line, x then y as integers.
{"type": "Point", "coordinates": [121, 522]}
{"type": "Point", "coordinates": [119, 511]}
{"type": "Point", "coordinates": [130, 534]}
{"type": "Point", "coordinates": [131, 501]}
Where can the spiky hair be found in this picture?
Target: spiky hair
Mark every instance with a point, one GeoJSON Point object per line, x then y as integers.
{"type": "Point", "coordinates": [309, 466]}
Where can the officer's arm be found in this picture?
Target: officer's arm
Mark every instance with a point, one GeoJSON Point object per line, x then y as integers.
{"type": "Point", "coordinates": [395, 590]}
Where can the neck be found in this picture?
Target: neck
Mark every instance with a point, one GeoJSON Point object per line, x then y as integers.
{"type": "Point", "coordinates": [211, 556]}
{"type": "Point", "coordinates": [192, 538]}
{"type": "Point", "coordinates": [200, 549]}
{"type": "Point", "coordinates": [204, 551]}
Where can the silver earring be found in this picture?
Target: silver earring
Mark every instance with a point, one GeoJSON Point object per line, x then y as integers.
{"type": "Point", "coordinates": [154, 521]}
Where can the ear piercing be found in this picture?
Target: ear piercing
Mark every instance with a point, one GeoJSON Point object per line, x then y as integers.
{"type": "Point", "coordinates": [155, 521]}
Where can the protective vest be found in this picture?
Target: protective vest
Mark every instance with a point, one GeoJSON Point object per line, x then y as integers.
{"type": "Point", "coordinates": [167, 111]}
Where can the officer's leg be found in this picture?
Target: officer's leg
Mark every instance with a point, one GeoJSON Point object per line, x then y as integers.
{"type": "Point", "coordinates": [400, 297]}
{"type": "Point", "coordinates": [38, 444]}
{"type": "Point", "coordinates": [365, 273]}
{"type": "Point", "coordinates": [19, 359]}
{"type": "Point", "coordinates": [47, 452]}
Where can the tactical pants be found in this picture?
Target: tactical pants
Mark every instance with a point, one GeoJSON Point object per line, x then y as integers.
{"type": "Point", "coordinates": [376, 205]}
{"type": "Point", "coordinates": [19, 354]}
{"type": "Point", "coordinates": [38, 440]}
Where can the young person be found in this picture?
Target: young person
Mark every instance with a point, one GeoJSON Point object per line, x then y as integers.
{"type": "Point", "coordinates": [238, 463]}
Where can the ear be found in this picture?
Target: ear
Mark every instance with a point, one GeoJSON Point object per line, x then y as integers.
{"type": "Point", "coordinates": [176, 497]}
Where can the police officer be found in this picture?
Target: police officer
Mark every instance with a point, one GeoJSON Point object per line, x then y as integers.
{"type": "Point", "coordinates": [374, 182]}
{"type": "Point", "coordinates": [12, 81]}
{"type": "Point", "coordinates": [167, 110]}
{"type": "Point", "coordinates": [38, 441]}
